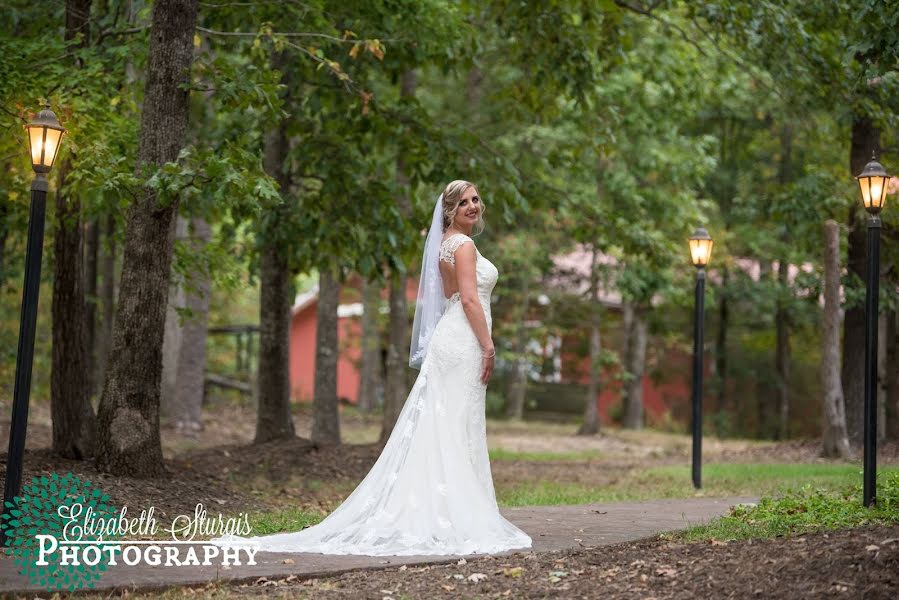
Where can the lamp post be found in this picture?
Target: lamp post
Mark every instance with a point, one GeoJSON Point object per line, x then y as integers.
{"type": "Point", "coordinates": [700, 253]}
{"type": "Point", "coordinates": [873, 184]}
{"type": "Point", "coordinates": [44, 136]}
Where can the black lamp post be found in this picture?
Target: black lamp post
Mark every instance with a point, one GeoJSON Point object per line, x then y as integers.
{"type": "Point", "coordinates": [44, 136]}
{"type": "Point", "coordinates": [700, 253]}
{"type": "Point", "coordinates": [873, 183]}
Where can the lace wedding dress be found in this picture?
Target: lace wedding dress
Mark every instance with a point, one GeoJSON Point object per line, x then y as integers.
{"type": "Point", "coordinates": [430, 491]}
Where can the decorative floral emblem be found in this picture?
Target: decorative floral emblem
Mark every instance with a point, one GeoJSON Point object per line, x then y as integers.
{"type": "Point", "coordinates": [36, 512]}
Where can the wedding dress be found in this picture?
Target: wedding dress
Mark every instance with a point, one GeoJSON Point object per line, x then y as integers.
{"type": "Point", "coordinates": [431, 490]}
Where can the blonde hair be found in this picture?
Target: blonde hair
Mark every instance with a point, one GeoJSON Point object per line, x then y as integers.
{"type": "Point", "coordinates": [452, 196]}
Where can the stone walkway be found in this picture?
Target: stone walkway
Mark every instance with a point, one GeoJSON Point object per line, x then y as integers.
{"type": "Point", "coordinates": [550, 527]}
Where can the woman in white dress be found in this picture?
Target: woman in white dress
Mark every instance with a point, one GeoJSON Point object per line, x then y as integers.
{"type": "Point", "coordinates": [431, 490]}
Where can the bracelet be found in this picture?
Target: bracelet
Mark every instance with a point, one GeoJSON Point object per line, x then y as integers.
{"type": "Point", "coordinates": [489, 355]}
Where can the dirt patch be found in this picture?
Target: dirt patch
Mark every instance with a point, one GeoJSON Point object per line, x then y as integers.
{"type": "Point", "coordinates": [850, 564]}
{"type": "Point", "coordinates": [799, 451]}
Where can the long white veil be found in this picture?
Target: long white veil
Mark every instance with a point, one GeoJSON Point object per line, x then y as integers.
{"type": "Point", "coordinates": [431, 302]}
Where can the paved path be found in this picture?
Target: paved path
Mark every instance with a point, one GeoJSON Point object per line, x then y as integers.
{"type": "Point", "coordinates": [550, 527]}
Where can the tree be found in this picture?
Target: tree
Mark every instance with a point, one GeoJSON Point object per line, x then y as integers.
{"type": "Point", "coordinates": [191, 369]}
{"type": "Point", "coordinates": [274, 419]}
{"type": "Point", "coordinates": [834, 437]}
{"type": "Point", "coordinates": [325, 415]}
{"type": "Point", "coordinates": [128, 417]}
{"type": "Point", "coordinates": [591, 425]}
{"type": "Point", "coordinates": [371, 387]}
{"type": "Point", "coordinates": [72, 414]}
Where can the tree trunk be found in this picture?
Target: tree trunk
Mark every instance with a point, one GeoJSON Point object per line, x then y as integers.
{"type": "Point", "coordinates": [371, 384]}
{"type": "Point", "coordinates": [881, 383]}
{"type": "Point", "coordinates": [128, 420]}
{"type": "Point", "coordinates": [782, 317]}
{"type": "Point", "coordinates": [590, 426]}
{"type": "Point", "coordinates": [74, 423]}
{"type": "Point", "coordinates": [721, 344]}
{"type": "Point", "coordinates": [636, 365]}
{"type": "Point", "coordinates": [396, 388]}
{"type": "Point", "coordinates": [892, 376]}
{"type": "Point", "coordinates": [273, 413]}
{"type": "Point", "coordinates": [191, 371]}
{"type": "Point", "coordinates": [4, 233]}
{"type": "Point", "coordinates": [326, 414]}
{"type": "Point", "coordinates": [515, 410]}
{"type": "Point", "coordinates": [865, 141]}
{"type": "Point", "coordinates": [91, 255]}
{"type": "Point", "coordinates": [107, 296]}
{"type": "Point", "coordinates": [171, 339]}
{"type": "Point", "coordinates": [834, 436]}
{"type": "Point", "coordinates": [782, 353]}
{"type": "Point", "coordinates": [766, 390]}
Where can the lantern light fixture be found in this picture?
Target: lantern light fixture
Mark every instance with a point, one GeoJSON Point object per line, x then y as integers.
{"type": "Point", "coordinates": [873, 182]}
{"type": "Point", "coordinates": [701, 247]}
{"type": "Point", "coordinates": [44, 136]}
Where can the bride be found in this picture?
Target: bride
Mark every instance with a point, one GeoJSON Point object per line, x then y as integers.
{"type": "Point", "coordinates": [431, 491]}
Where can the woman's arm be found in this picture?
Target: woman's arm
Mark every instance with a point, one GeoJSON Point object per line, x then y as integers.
{"type": "Point", "coordinates": [466, 280]}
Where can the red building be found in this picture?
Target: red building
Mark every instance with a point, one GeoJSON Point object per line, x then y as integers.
{"type": "Point", "coordinates": [665, 384]}
{"type": "Point", "coordinates": [349, 332]}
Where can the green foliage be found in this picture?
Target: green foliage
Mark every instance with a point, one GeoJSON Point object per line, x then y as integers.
{"type": "Point", "coordinates": [805, 510]}
{"type": "Point", "coordinates": [286, 520]}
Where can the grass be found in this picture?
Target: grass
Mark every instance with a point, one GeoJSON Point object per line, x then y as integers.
{"type": "Point", "coordinates": [674, 481]}
{"type": "Point", "coordinates": [513, 455]}
{"type": "Point", "coordinates": [264, 523]}
{"type": "Point", "coordinates": [804, 510]}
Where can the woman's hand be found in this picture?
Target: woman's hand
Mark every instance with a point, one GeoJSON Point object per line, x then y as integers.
{"type": "Point", "coordinates": [487, 363]}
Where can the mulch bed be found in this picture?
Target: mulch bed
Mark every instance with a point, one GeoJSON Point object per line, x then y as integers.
{"type": "Point", "coordinates": [859, 563]}
{"type": "Point", "coordinates": [208, 475]}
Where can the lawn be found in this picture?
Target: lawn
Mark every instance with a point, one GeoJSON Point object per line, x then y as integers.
{"type": "Point", "coordinates": [671, 481]}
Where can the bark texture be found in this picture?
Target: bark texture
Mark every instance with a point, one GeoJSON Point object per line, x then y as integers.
{"type": "Point", "coordinates": [636, 366]}
{"type": "Point", "coordinates": [782, 352]}
{"type": "Point", "coordinates": [396, 386]}
{"type": "Point", "coordinates": [191, 369]}
{"type": "Point", "coordinates": [590, 426]}
{"type": "Point", "coordinates": [273, 415]}
{"type": "Point", "coordinates": [881, 384]}
{"type": "Point", "coordinates": [4, 233]}
{"type": "Point", "coordinates": [721, 344]}
{"type": "Point", "coordinates": [107, 295]}
{"type": "Point", "coordinates": [91, 258]}
{"type": "Point", "coordinates": [325, 411]}
{"type": "Point", "coordinates": [371, 382]}
{"type": "Point", "coordinates": [782, 315]}
{"type": "Point", "coordinates": [171, 338]}
{"type": "Point", "coordinates": [835, 439]}
{"type": "Point", "coordinates": [865, 140]}
{"type": "Point", "coordinates": [515, 409]}
{"type": "Point", "coordinates": [74, 423]}
{"type": "Point", "coordinates": [892, 377]}
{"type": "Point", "coordinates": [397, 359]}
{"type": "Point", "coordinates": [128, 420]}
